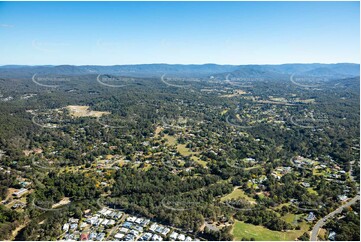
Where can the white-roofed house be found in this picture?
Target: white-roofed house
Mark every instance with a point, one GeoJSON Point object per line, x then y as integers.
{"type": "Point", "coordinates": [188, 238]}
{"type": "Point", "coordinates": [105, 222]}
{"type": "Point", "coordinates": [153, 227]}
{"type": "Point", "coordinates": [181, 237]}
{"type": "Point", "coordinates": [165, 231]}
{"type": "Point", "coordinates": [131, 218]}
{"type": "Point", "coordinates": [123, 230]}
{"type": "Point", "coordinates": [119, 236]}
{"type": "Point", "coordinates": [66, 227]}
{"type": "Point", "coordinates": [173, 235]}
{"type": "Point", "coordinates": [157, 238]}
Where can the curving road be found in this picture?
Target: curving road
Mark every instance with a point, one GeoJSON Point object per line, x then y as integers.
{"type": "Point", "coordinates": [323, 220]}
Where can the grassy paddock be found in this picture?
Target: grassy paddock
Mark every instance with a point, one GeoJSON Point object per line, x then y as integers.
{"type": "Point", "coordinates": [237, 193]}
{"type": "Point", "coordinates": [247, 231]}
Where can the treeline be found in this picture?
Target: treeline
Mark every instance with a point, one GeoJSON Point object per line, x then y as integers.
{"type": "Point", "coordinates": [48, 225]}
{"type": "Point", "coordinates": [223, 234]}
{"type": "Point", "coordinates": [262, 216]}
{"type": "Point", "coordinates": [9, 220]}
{"type": "Point", "coordinates": [157, 193]}
{"type": "Point", "coordinates": [7, 179]}
{"type": "Point", "coordinates": [76, 186]}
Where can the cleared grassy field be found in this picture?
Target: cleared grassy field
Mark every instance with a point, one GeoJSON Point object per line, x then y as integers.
{"type": "Point", "coordinates": [237, 193]}
{"type": "Point", "coordinates": [171, 140]}
{"type": "Point", "coordinates": [158, 130]}
{"type": "Point", "coordinates": [199, 161]}
{"type": "Point", "coordinates": [290, 217]}
{"type": "Point", "coordinates": [183, 150]}
{"type": "Point", "coordinates": [247, 231]}
{"type": "Point", "coordinates": [83, 111]}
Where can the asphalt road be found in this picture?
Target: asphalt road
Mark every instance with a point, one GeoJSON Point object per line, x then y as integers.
{"type": "Point", "coordinates": [323, 220]}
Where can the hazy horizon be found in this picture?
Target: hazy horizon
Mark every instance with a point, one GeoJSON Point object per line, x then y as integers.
{"type": "Point", "coordinates": [262, 64]}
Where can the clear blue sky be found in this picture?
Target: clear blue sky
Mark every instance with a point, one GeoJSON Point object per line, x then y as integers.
{"type": "Point", "coordinates": [112, 33]}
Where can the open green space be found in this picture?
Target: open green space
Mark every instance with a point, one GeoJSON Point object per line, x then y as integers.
{"type": "Point", "coordinates": [247, 231]}
{"type": "Point", "coordinates": [237, 193]}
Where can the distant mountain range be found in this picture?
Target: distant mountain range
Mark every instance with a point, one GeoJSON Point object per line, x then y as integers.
{"type": "Point", "coordinates": [342, 70]}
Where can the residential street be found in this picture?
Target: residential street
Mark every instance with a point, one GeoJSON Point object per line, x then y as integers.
{"type": "Point", "coordinates": [322, 221]}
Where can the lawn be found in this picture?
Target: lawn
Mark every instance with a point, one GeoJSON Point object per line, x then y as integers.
{"type": "Point", "coordinates": [199, 161]}
{"type": "Point", "coordinates": [171, 140]}
{"type": "Point", "coordinates": [290, 217]}
{"type": "Point", "coordinates": [157, 131]}
{"type": "Point", "coordinates": [147, 167]}
{"type": "Point", "coordinates": [247, 231]}
{"type": "Point", "coordinates": [319, 172]}
{"type": "Point", "coordinates": [312, 191]}
{"type": "Point", "coordinates": [322, 234]}
{"type": "Point", "coordinates": [183, 150]}
{"type": "Point", "coordinates": [224, 112]}
{"type": "Point", "coordinates": [282, 205]}
{"type": "Point", "coordinates": [250, 184]}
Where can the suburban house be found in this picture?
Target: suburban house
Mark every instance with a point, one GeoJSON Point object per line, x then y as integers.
{"type": "Point", "coordinates": [332, 235]}
{"type": "Point", "coordinates": [310, 217]}
{"type": "Point", "coordinates": [21, 192]}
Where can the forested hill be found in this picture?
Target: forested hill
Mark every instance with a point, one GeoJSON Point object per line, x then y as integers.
{"type": "Point", "coordinates": [276, 71]}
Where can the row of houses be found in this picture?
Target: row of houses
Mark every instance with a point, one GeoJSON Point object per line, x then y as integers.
{"type": "Point", "coordinates": [92, 229]}
{"type": "Point", "coordinates": [141, 229]}
{"type": "Point", "coordinates": [110, 224]}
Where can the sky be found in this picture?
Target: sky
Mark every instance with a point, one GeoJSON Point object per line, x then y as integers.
{"type": "Point", "coordinates": [115, 33]}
